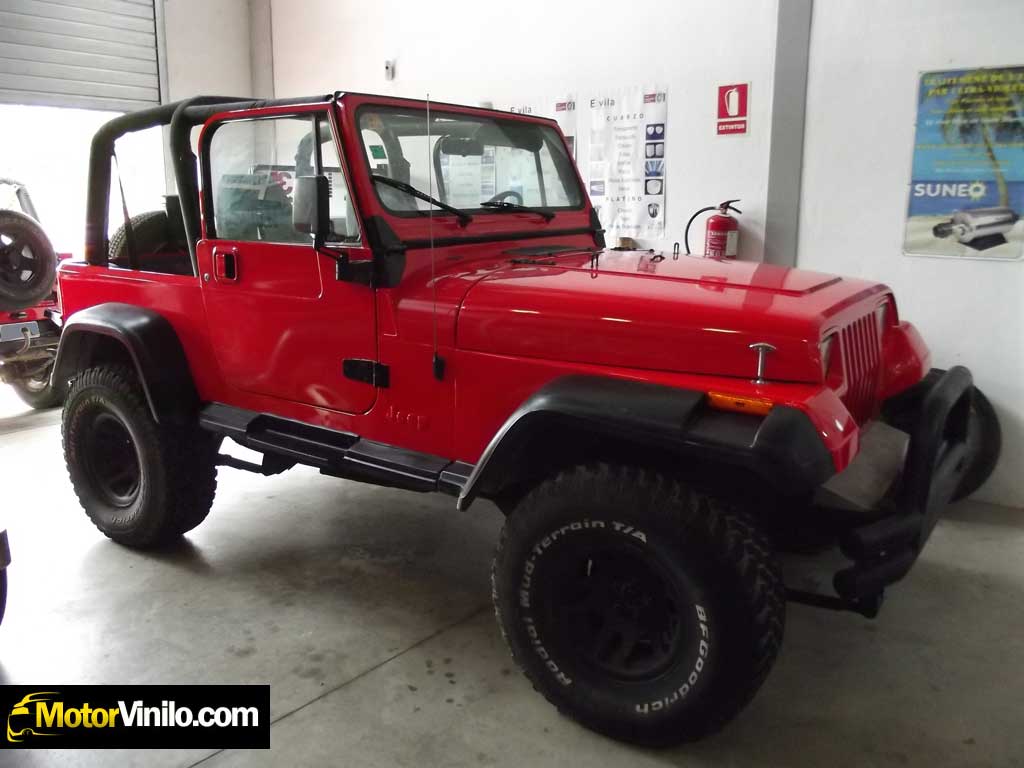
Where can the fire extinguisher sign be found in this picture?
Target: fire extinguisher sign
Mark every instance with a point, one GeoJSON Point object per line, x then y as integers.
{"type": "Point", "coordinates": [732, 109]}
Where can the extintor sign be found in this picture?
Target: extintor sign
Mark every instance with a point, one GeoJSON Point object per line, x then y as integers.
{"type": "Point", "coordinates": [732, 109]}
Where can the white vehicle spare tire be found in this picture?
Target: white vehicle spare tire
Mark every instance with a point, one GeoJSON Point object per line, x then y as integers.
{"type": "Point", "coordinates": [28, 264]}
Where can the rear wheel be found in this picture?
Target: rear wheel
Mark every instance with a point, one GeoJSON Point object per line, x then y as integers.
{"type": "Point", "coordinates": [643, 609]}
{"type": "Point", "coordinates": [28, 264]}
{"type": "Point", "coordinates": [38, 392]}
{"type": "Point", "coordinates": [141, 483]}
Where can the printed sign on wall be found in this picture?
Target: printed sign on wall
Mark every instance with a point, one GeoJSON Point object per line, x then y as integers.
{"type": "Point", "coordinates": [732, 109]}
{"type": "Point", "coordinates": [562, 109]}
{"type": "Point", "coordinates": [565, 115]}
{"type": "Point", "coordinates": [967, 180]}
{"type": "Point", "coordinates": [626, 163]}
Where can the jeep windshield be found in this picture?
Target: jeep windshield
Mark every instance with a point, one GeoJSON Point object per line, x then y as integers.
{"type": "Point", "coordinates": [469, 163]}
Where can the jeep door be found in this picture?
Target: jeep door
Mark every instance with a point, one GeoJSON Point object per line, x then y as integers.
{"type": "Point", "coordinates": [281, 320]}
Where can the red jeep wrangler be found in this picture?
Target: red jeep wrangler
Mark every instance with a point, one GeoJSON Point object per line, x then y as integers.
{"type": "Point", "coordinates": [419, 296]}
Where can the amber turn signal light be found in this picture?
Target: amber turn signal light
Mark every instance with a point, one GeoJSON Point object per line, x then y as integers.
{"type": "Point", "coordinates": [724, 401]}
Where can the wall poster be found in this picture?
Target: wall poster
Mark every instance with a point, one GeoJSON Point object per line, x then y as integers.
{"type": "Point", "coordinates": [967, 179]}
{"type": "Point", "coordinates": [625, 169]}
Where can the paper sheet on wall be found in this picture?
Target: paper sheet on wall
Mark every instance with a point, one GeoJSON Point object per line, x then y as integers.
{"type": "Point", "coordinates": [625, 169]}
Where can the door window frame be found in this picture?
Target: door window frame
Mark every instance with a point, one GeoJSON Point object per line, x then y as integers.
{"type": "Point", "coordinates": [316, 113]}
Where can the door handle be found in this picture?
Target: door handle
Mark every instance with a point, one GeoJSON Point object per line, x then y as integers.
{"type": "Point", "coordinates": [225, 264]}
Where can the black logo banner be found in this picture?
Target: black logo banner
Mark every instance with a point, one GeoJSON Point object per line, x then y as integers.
{"type": "Point", "coordinates": [135, 716]}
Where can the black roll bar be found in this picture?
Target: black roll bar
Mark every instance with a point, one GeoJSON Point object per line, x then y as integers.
{"type": "Point", "coordinates": [181, 117]}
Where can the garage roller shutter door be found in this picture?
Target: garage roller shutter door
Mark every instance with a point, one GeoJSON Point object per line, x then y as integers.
{"type": "Point", "coordinates": [94, 54]}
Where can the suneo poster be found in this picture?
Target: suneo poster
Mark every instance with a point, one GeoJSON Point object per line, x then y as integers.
{"type": "Point", "coordinates": [967, 181]}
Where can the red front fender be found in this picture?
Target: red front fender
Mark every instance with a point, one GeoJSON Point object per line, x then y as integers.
{"type": "Point", "coordinates": [906, 359]}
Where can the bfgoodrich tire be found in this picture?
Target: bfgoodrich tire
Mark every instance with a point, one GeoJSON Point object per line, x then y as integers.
{"type": "Point", "coordinates": [141, 483]}
{"type": "Point", "coordinates": [643, 609]}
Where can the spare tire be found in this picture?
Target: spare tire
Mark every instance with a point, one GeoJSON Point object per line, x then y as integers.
{"type": "Point", "coordinates": [151, 233]}
{"type": "Point", "coordinates": [28, 264]}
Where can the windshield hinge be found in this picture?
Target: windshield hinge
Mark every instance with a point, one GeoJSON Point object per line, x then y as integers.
{"type": "Point", "coordinates": [348, 271]}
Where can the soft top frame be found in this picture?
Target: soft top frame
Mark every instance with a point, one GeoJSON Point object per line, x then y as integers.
{"type": "Point", "coordinates": [181, 117]}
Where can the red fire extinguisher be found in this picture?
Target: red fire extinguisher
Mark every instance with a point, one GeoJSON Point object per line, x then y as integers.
{"type": "Point", "coordinates": [721, 233]}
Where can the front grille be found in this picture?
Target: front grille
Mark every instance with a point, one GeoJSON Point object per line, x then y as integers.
{"type": "Point", "coordinates": [861, 354]}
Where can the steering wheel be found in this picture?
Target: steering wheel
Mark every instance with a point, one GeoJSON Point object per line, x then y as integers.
{"type": "Point", "coordinates": [508, 193]}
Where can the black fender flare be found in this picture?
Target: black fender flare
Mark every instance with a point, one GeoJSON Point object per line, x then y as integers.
{"type": "Point", "coordinates": [783, 447]}
{"type": "Point", "coordinates": [150, 341]}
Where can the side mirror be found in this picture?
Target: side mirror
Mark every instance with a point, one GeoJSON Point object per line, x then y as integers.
{"type": "Point", "coordinates": [311, 207]}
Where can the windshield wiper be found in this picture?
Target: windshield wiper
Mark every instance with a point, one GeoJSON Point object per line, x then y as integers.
{"type": "Point", "coordinates": [464, 218]}
{"type": "Point", "coordinates": [505, 205]}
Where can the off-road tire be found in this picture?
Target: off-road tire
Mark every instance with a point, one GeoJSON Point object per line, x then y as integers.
{"type": "Point", "coordinates": [151, 232]}
{"type": "Point", "coordinates": [176, 465]}
{"type": "Point", "coordinates": [985, 443]}
{"type": "Point", "coordinates": [30, 281]}
{"type": "Point", "coordinates": [38, 392]}
{"type": "Point", "coordinates": [731, 613]}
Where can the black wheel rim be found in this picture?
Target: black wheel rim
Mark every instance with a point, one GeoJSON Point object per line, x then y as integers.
{"type": "Point", "coordinates": [112, 461]}
{"type": "Point", "coordinates": [18, 262]}
{"type": "Point", "coordinates": [612, 607]}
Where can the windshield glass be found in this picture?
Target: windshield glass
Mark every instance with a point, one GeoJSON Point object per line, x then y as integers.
{"type": "Point", "coordinates": [468, 161]}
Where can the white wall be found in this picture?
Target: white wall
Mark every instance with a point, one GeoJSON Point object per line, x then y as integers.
{"type": "Point", "coordinates": [469, 51]}
{"type": "Point", "coordinates": [861, 106]}
{"type": "Point", "coordinates": [207, 46]}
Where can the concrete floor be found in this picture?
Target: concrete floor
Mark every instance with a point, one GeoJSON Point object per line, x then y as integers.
{"type": "Point", "coordinates": [368, 612]}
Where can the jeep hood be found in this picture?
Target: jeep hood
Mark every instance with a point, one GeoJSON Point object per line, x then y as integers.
{"type": "Point", "coordinates": [648, 310]}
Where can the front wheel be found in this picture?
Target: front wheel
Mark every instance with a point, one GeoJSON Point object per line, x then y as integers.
{"type": "Point", "coordinates": [141, 483]}
{"type": "Point", "coordinates": [643, 609]}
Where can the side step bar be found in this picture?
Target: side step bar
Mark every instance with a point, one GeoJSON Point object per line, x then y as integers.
{"type": "Point", "coordinates": [333, 452]}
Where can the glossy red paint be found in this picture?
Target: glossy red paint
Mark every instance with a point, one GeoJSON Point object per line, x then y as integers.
{"type": "Point", "coordinates": [38, 312]}
{"type": "Point", "coordinates": [643, 310]}
{"type": "Point", "coordinates": [273, 340]}
{"type": "Point", "coordinates": [905, 361]}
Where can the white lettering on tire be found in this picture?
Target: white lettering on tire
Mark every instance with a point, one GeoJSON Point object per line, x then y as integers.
{"type": "Point", "coordinates": [680, 693]}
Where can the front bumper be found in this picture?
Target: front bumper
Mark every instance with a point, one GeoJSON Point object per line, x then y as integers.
{"type": "Point", "coordinates": [935, 414]}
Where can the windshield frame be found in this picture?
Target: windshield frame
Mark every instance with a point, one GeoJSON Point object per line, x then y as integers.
{"type": "Point", "coordinates": [476, 211]}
